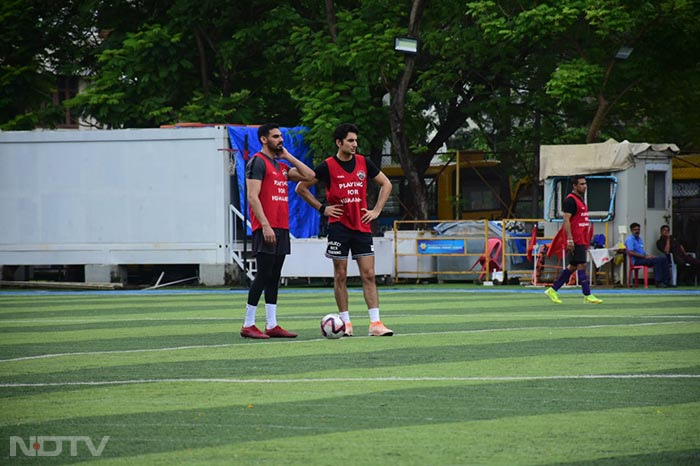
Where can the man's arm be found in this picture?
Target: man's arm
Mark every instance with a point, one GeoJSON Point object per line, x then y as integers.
{"type": "Point", "coordinates": [567, 229]}
{"type": "Point", "coordinates": [384, 192]}
{"type": "Point", "coordinates": [253, 188]}
{"type": "Point", "coordinates": [299, 171]}
{"type": "Point", "coordinates": [629, 243]}
{"type": "Point", "coordinates": [302, 190]}
{"type": "Point", "coordinates": [664, 244]}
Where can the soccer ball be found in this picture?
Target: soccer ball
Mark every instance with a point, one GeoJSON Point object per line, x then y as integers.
{"type": "Point", "coordinates": [332, 326]}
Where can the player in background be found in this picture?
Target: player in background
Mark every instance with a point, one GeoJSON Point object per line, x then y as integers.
{"type": "Point", "coordinates": [346, 177]}
{"type": "Point", "coordinates": [266, 184]}
{"type": "Point", "coordinates": [577, 230]}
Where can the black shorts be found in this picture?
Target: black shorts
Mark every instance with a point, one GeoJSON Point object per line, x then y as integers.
{"type": "Point", "coordinates": [579, 256]}
{"type": "Point", "coordinates": [280, 247]}
{"type": "Point", "coordinates": [342, 240]}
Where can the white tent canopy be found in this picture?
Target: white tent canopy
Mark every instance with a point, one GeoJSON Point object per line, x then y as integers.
{"type": "Point", "coordinates": [587, 159]}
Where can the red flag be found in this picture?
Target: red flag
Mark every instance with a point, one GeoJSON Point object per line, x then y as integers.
{"type": "Point", "coordinates": [533, 241]}
{"type": "Point", "coordinates": [558, 244]}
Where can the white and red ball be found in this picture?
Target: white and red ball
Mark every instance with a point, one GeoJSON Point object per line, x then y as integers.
{"type": "Point", "coordinates": [332, 326]}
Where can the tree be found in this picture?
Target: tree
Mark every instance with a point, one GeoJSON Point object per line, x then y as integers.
{"type": "Point", "coordinates": [207, 61]}
{"type": "Point", "coordinates": [40, 41]}
{"type": "Point", "coordinates": [503, 75]}
{"type": "Point", "coordinates": [397, 105]}
{"type": "Point", "coordinates": [597, 93]}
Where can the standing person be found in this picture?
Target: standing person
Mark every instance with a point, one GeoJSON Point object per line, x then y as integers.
{"type": "Point", "coordinates": [266, 184]}
{"type": "Point", "coordinates": [345, 176]}
{"type": "Point", "coordinates": [635, 248]}
{"type": "Point", "coordinates": [670, 246]}
{"type": "Point", "coordinates": [577, 228]}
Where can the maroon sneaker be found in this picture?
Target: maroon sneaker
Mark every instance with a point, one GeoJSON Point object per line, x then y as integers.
{"type": "Point", "coordinates": [253, 332]}
{"type": "Point", "coordinates": [279, 332]}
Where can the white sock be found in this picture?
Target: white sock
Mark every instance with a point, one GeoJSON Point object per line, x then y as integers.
{"type": "Point", "coordinates": [271, 314]}
{"type": "Point", "coordinates": [374, 314]}
{"type": "Point", "coordinates": [250, 315]}
{"type": "Point", "coordinates": [345, 316]}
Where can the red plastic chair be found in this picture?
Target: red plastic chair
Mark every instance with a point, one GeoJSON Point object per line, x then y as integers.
{"type": "Point", "coordinates": [494, 247]}
{"type": "Point", "coordinates": [634, 269]}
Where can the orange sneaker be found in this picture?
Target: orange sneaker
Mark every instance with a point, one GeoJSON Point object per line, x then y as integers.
{"type": "Point", "coordinates": [253, 332]}
{"type": "Point", "coordinates": [279, 332]}
{"type": "Point", "coordinates": [348, 329]}
{"type": "Point", "coordinates": [377, 329]}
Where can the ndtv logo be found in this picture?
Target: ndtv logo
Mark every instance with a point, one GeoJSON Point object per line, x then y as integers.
{"type": "Point", "coordinates": [37, 445]}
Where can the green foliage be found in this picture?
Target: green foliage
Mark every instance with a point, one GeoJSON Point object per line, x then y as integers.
{"type": "Point", "coordinates": [574, 81]}
{"type": "Point", "coordinates": [216, 109]}
{"type": "Point", "coordinates": [485, 69]}
{"type": "Point", "coordinates": [135, 86]}
{"type": "Point", "coordinates": [28, 68]}
{"type": "Point", "coordinates": [345, 81]}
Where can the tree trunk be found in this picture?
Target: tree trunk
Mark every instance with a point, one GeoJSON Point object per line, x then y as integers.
{"type": "Point", "coordinates": [399, 142]}
{"type": "Point", "coordinates": [203, 67]}
{"type": "Point", "coordinates": [330, 18]}
{"type": "Point", "coordinates": [597, 123]}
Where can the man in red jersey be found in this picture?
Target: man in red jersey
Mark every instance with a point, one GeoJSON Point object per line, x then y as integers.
{"type": "Point", "coordinates": [266, 184]}
{"type": "Point", "coordinates": [346, 176]}
{"type": "Point", "coordinates": [577, 230]}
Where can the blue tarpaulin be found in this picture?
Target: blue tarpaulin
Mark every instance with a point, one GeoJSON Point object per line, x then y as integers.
{"type": "Point", "coordinates": [304, 221]}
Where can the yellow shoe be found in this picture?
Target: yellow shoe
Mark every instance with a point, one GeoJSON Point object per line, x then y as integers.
{"type": "Point", "coordinates": [590, 299]}
{"type": "Point", "coordinates": [553, 295]}
{"type": "Point", "coordinates": [348, 329]}
{"type": "Point", "coordinates": [377, 329]}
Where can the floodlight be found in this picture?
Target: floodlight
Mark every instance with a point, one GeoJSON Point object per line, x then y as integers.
{"type": "Point", "coordinates": [624, 53]}
{"type": "Point", "coordinates": [406, 45]}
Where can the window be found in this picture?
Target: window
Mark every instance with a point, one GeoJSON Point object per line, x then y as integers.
{"type": "Point", "coordinates": [656, 189]}
{"type": "Point", "coordinates": [66, 88]}
{"type": "Point", "coordinates": [600, 196]}
{"type": "Point", "coordinates": [481, 188]}
{"type": "Point", "coordinates": [478, 197]}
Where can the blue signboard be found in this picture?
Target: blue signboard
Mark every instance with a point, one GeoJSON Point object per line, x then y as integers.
{"type": "Point", "coordinates": [441, 246]}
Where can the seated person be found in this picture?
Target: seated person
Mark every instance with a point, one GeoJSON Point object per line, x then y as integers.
{"type": "Point", "coordinates": [670, 246]}
{"type": "Point", "coordinates": [635, 248]}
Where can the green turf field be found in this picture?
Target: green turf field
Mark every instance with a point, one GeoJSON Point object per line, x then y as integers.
{"type": "Point", "coordinates": [469, 378]}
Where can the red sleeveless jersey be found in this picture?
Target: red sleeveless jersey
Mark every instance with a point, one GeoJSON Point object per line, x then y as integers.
{"type": "Point", "coordinates": [350, 191]}
{"type": "Point", "coordinates": [273, 196]}
{"type": "Point", "coordinates": [579, 221]}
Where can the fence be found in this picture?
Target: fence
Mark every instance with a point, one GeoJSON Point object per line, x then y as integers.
{"type": "Point", "coordinates": [509, 250]}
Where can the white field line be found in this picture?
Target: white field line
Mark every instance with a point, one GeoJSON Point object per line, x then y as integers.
{"type": "Point", "coordinates": [362, 379]}
{"type": "Point", "coordinates": [226, 345]}
{"type": "Point", "coordinates": [388, 313]}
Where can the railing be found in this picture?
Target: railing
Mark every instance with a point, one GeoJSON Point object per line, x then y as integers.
{"type": "Point", "coordinates": [460, 250]}
{"type": "Point", "coordinates": [238, 246]}
{"type": "Point", "coordinates": [431, 250]}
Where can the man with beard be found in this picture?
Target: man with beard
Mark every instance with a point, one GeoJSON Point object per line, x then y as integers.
{"type": "Point", "coordinates": [266, 184]}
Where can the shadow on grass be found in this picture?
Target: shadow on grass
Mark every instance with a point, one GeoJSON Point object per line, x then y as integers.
{"type": "Point", "coordinates": [191, 428]}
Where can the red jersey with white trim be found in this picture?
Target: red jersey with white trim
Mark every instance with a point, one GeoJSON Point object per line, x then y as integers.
{"type": "Point", "coordinates": [579, 221]}
{"type": "Point", "coordinates": [273, 195]}
{"type": "Point", "coordinates": [350, 191]}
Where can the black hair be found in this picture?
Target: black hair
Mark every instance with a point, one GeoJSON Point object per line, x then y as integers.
{"type": "Point", "coordinates": [265, 129]}
{"type": "Point", "coordinates": [634, 225]}
{"type": "Point", "coordinates": [342, 131]}
{"type": "Point", "coordinates": [664, 226]}
{"type": "Point", "coordinates": [574, 179]}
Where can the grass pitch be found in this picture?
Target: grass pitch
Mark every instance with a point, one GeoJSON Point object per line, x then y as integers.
{"type": "Point", "coordinates": [471, 377]}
